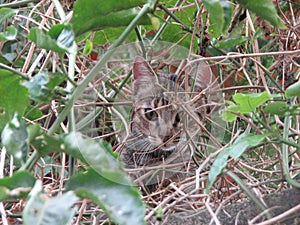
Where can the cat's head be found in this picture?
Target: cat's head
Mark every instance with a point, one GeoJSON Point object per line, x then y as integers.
{"type": "Point", "coordinates": [155, 118]}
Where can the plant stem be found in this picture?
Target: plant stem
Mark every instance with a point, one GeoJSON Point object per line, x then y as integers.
{"type": "Point", "coordinates": [139, 36]}
{"type": "Point", "coordinates": [285, 153]}
{"type": "Point", "coordinates": [60, 10]}
{"type": "Point", "coordinates": [88, 119]}
{"type": "Point", "coordinates": [23, 76]}
{"type": "Point", "coordinates": [162, 28]}
{"type": "Point", "coordinates": [184, 27]}
{"type": "Point", "coordinates": [71, 117]}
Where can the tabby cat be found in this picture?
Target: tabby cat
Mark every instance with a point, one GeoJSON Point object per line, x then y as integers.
{"type": "Point", "coordinates": [167, 110]}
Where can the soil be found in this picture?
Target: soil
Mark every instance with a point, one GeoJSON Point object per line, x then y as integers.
{"type": "Point", "coordinates": [241, 213]}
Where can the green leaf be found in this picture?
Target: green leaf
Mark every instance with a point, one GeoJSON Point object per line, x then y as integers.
{"type": "Point", "coordinates": [231, 42]}
{"type": "Point", "coordinates": [88, 47]}
{"type": "Point", "coordinates": [37, 88]}
{"type": "Point", "coordinates": [239, 146]}
{"type": "Point", "coordinates": [60, 38]}
{"type": "Point", "coordinates": [228, 11]}
{"type": "Point", "coordinates": [87, 9]}
{"type": "Point", "coordinates": [46, 144]}
{"type": "Point", "coordinates": [121, 203]}
{"type": "Point", "coordinates": [109, 187]}
{"type": "Point", "coordinates": [92, 16]}
{"type": "Point", "coordinates": [265, 9]}
{"type": "Point", "coordinates": [14, 97]}
{"type": "Point", "coordinates": [249, 102]}
{"type": "Point", "coordinates": [227, 115]}
{"type": "Point", "coordinates": [33, 130]}
{"type": "Point", "coordinates": [98, 155]}
{"type": "Point", "coordinates": [243, 142]}
{"type": "Point", "coordinates": [111, 34]}
{"type": "Point", "coordinates": [216, 169]}
{"type": "Point", "coordinates": [17, 186]}
{"type": "Point", "coordinates": [33, 113]}
{"type": "Point", "coordinates": [118, 19]}
{"type": "Point", "coordinates": [5, 13]}
{"type": "Point", "coordinates": [14, 138]}
{"type": "Point", "coordinates": [43, 40]}
{"type": "Point", "coordinates": [246, 103]}
{"type": "Point", "coordinates": [64, 37]}
{"type": "Point", "coordinates": [216, 17]}
{"type": "Point", "coordinates": [42, 85]}
{"type": "Point", "coordinates": [276, 108]}
{"type": "Point", "coordinates": [9, 35]}
{"type": "Point", "coordinates": [55, 79]}
{"type": "Point", "coordinates": [293, 90]}
{"type": "Point", "coordinates": [173, 31]}
{"type": "Point", "coordinates": [41, 210]}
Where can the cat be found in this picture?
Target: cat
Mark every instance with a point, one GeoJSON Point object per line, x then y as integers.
{"type": "Point", "coordinates": [164, 109]}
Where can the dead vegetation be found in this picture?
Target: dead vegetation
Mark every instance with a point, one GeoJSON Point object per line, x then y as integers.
{"type": "Point", "coordinates": [267, 62]}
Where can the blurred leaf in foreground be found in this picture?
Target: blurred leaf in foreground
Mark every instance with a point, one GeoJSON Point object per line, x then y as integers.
{"type": "Point", "coordinates": [17, 186]}
{"type": "Point", "coordinates": [98, 155]}
{"type": "Point", "coordinates": [14, 138]}
{"type": "Point", "coordinates": [5, 13]}
{"type": "Point", "coordinates": [122, 203]}
{"type": "Point", "coordinates": [42, 210]}
{"type": "Point", "coordinates": [9, 35]}
{"type": "Point", "coordinates": [92, 16]}
{"type": "Point", "coordinates": [42, 85]}
{"type": "Point", "coordinates": [60, 38]}
{"type": "Point", "coordinates": [14, 97]}
{"type": "Point", "coordinates": [106, 182]}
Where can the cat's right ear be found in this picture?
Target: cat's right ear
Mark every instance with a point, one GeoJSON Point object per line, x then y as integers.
{"type": "Point", "coordinates": [142, 69]}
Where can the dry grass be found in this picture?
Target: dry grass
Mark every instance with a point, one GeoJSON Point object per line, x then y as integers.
{"type": "Point", "coordinates": [260, 168]}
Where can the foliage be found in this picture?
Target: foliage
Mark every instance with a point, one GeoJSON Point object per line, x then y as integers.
{"type": "Point", "coordinates": [15, 97]}
{"type": "Point", "coordinates": [48, 60]}
{"type": "Point", "coordinates": [246, 103]}
{"type": "Point", "coordinates": [40, 209]}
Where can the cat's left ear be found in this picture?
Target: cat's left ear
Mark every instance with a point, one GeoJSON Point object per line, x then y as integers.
{"type": "Point", "coordinates": [142, 69]}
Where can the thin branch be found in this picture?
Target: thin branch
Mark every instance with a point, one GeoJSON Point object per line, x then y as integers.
{"type": "Point", "coordinates": [235, 55]}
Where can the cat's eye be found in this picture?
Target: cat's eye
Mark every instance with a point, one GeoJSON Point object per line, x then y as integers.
{"type": "Point", "coordinates": [150, 114]}
{"type": "Point", "coordinates": [176, 120]}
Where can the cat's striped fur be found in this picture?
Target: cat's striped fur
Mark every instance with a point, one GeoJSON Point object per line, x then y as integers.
{"type": "Point", "coordinates": [160, 123]}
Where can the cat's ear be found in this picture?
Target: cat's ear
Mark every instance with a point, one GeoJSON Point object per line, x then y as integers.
{"type": "Point", "coordinates": [142, 69]}
{"type": "Point", "coordinates": [201, 74]}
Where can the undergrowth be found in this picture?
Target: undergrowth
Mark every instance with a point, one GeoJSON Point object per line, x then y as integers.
{"type": "Point", "coordinates": [59, 100]}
